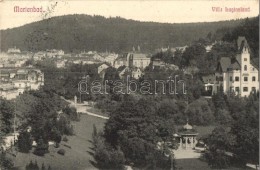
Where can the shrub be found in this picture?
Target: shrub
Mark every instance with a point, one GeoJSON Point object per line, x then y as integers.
{"type": "Point", "coordinates": [41, 148]}
{"type": "Point", "coordinates": [71, 112]}
{"type": "Point", "coordinates": [65, 139]}
{"type": "Point", "coordinates": [61, 152]}
{"type": "Point", "coordinates": [64, 126]}
{"type": "Point", "coordinates": [32, 166]}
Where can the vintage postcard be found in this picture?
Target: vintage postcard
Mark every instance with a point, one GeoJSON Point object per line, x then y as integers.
{"type": "Point", "coordinates": [129, 85]}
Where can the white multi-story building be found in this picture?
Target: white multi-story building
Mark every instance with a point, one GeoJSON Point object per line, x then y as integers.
{"type": "Point", "coordinates": [14, 83]}
{"type": "Point", "coordinates": [237, 75]}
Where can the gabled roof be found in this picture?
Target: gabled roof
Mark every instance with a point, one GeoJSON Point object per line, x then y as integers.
{"type": "Point", "coordinates": [234, 65]}
{"type": "Point", "coordinates": [226, 64]}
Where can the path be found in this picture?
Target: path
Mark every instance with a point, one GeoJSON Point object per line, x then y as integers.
{"type": "Point", "coordinates": [83, 109]}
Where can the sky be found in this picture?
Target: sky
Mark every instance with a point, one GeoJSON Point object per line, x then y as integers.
{"type": "Point", "coordinates": [174, 11]}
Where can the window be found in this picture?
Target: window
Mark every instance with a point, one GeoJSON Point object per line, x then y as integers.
{"type": "Point", "coordinates": [237, 78]}
{"type": "Point", "coordinates": [253, 89]}
{"type": "Point", "coordinates": [245, 59]}
{"type": "Point", "coordinates": [245, 78]}
{"type": "Point", "coordinates": [253, 78]}
{"type": "Point", "coordinates": [220, 78]}
{"type": "Point", "coordinates": [245, 68]}
{"type": "Point", "coordinates": [237, 89]}
{"type": "Point", "coordinates": [230, 78]}
{"type": "Point", "coordinates": [245, 89]}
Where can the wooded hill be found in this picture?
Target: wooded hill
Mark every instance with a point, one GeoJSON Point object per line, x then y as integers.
{"type": "Point", "coordinates": [79, 32]}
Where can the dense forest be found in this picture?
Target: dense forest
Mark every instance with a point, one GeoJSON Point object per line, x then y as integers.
{"type": "Point", "coordinates": [196, 55]}
{"type": "Point", "coordinates": [78, 32]}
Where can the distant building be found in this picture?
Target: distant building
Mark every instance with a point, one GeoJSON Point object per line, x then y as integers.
{"type": "Point", "coordinates": [136, 72]}
{"type": "Point", "coordinates": [60, 63]}
{"type": "Point", "coordinates": [91, 58]}
{"type": "Point", "coordinates": [158, 63]}
{"type": "Point", "coordinates": [9, 140]}
{"type": "Point", "coordinates": [110, 58]}
{"type": "Point", "coordinates": [17, 81]}
{"type": "Point", "coordinates": [54, 53]}
{"type": "Point", "coordinates": [181, 49]}
{"type": "Point", "coordinates": [19, 63]}
{"type": "Point", "coordinates": [8, 91]}
{"type": "Point", "coordinates": [209, 81]}
{"type": "Point", "coordinates": [14, 50]}
{"type": "Point", "coordinates": [120, 61]}
{"type": "Point", "coordinates": [39, 55]}
{"type": "Point", "coordinates": [98, 57]}
{"type": "Point", "coordinates": [139, 60]}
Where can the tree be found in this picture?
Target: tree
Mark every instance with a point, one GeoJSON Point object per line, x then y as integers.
{"type": "Point", "coordinates": [24, 142]}
{"type": "Point", "coordinates": [199, 112]}
{"type": "Point", "coordinates": [5, 162]}
{"type": "Point", "coordinates": [55, 136]}
{"type": "Point", "coordinates": [246, 131]}
{"type": "Point", "coordinates": [219, 142]}
{"type": "Point", "coordinates": [7, 115]}
{"type": "Point", "coordinates": [94, 134]}
{"type": "Point", "coordinates": [223, 116]}
{"type": "Point", "coordinates": [71, 112]}
{"type": "Point", "coordinates": [136, 127]}
{"type": "Point", "coordinates": [41, 148]}
{"type": "Point", "coordinates": [105, 155]}
{"type": "Point", "coordinates": [32, 166]}
{"type": "Point", "coordinates": [241, 137]}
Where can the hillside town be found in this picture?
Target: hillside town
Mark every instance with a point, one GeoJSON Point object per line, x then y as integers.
{"type": "Point", "coordinates": [237, 76]}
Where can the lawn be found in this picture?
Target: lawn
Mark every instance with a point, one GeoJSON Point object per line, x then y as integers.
{"type": "Point", "coordinates": [80, 154]}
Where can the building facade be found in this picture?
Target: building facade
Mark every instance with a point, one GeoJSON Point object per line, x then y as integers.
{"type": "Point", "coordinates": [138, 60]}
{"type": "Point", "coordinates": [236, 75]}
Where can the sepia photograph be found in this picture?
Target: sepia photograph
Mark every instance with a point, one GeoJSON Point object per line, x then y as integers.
{"type": "Point", "coordinates": [129, 85]}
